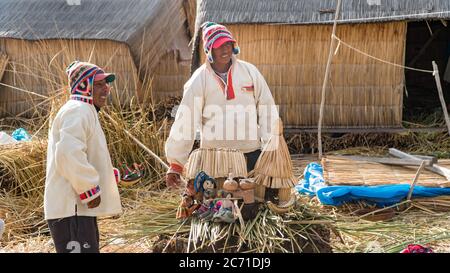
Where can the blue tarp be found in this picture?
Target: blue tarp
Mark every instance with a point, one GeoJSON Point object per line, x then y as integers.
{"type": "Point", "coordinates": [385, 195]}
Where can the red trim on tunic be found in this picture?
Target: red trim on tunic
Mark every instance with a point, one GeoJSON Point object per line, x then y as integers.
{"type": "Point", "coordinates": [230, 89]}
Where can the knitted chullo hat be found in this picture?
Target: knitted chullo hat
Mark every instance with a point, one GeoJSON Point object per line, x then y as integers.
{"type": "Point", "coordinates": [215, 35]}
{"type": "Point", "coordinates": [81, 80]}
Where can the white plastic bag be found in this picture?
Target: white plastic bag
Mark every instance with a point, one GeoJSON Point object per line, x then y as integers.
{"type": "Point", "coordinates": [6, 139]}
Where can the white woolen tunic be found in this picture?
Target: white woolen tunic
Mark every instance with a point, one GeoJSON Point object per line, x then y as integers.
{"type": "Point", "coordinates": [242, 123]}
{"type": "Point", "coordinates": [78, 160]}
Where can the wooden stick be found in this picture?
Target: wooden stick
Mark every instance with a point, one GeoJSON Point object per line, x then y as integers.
{"type": "Point", "coordinates": [139, 143]}
{"type": "Point", "coordinates": [416, 178]}
{"type": "Point", "coordinates": [441, 95]}
{"type": "Point", "coordinates": [325, 80]}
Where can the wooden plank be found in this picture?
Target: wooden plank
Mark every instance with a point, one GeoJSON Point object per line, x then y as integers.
{"type": "Point", "coordinates": [433, 159]}
{"type": "Point", "coordinates": [388, 160]}
{"type": "Point", "coordinates": [434, 168]}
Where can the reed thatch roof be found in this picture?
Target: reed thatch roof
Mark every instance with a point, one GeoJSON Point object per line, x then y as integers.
{"type": "Point", "coordinates": [75, 19]}
{"type": "Point", "coordinates": [147, 26]}
{"type": "Point", "coordinates": [319, 11]}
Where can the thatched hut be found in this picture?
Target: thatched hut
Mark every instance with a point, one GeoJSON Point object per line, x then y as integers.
{"type": "Point", "coordinates": [138, 40]}
{"type": "Point", "coordinates": [288, 40]}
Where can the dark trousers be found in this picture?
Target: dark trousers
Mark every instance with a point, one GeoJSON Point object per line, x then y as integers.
{"type": "Point", "coordinates": [249, 211]}
{"type": "Point", "coordinates": [76, 234]}
{"type": "Point", "coordinates": [251, 158]}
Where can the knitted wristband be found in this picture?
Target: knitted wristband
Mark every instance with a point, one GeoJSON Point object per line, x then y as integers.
{"type": "Point", "coordinates": [175, 168]}
{"type": "Point", "coordinates": [90, 194]}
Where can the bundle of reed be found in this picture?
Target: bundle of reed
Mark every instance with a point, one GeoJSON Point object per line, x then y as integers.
{"type": "Point", "coordinates": [411, 226]}
{"type": "Point", "coordinates": [297, 231]}
{"type": "Point", "coordinates": [24, 217]}
{"type": "Point", "coordinates": [124, 150]}
{"type": "Point", "coordinates": [22, 168]}
{"type": "Point", "coordinates": [274, 167]}
{"type": "Point", "coordinates": [147, 213]}
{"type": "Point", "coordinates": [216, 162]}
{"type": "Point", "coordinates": [22, 180]}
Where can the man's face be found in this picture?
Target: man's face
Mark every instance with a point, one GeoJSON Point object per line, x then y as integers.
{"type": "Point", "coordinates": [100, 93]}
{"type": "Point", "coordinates": [222, 54]}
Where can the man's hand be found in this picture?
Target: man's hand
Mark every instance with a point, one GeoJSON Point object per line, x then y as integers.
{"type": "Point", "coordinates": [173, 180]}
{"type": "Point", "coordinates": [94, 203]}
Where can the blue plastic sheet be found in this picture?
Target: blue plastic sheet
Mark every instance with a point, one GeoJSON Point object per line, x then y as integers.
{"type": "Point", "coordinates": [385, 195]}
{"type": "Point", "coordinates": [21, 135]}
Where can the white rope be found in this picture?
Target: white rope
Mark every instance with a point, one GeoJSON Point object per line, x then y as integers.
{"type": "Point", "coordinates": [378, 59]}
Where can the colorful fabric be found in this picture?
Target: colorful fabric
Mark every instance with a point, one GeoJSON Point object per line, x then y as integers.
{"type": "Point", "coordinates": [116, 175]}
{"type": "Point", "coordinates": [230, 89]}
{"type": "Point", "coordinates": [81, 80]}
{"type": "Point", "coordinates": [215, 35]}
{"type": "Point", "coordinates": [90, 193]}
{"type": "Point", "coordinates": [175, 168]}
{"type": "Point", "coordinates": [417, 249]}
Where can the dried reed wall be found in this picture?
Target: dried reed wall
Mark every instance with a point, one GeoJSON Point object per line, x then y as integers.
{"type": "Point", "coordinates": [39, 66]}
{"type": "Point", "coordinates": [361, 92]}
{"type": "Point", "coordinates": [3, 62]}
{"type": "Point", "coordinates": [170, 76]}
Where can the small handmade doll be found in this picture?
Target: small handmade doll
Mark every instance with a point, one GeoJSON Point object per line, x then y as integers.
{"type": "Point", "coordinates": [208, 186]}
{"type": "Point", "coordinates": [226, 211]}
{"type": "Point", "coordinates": [186, 207]}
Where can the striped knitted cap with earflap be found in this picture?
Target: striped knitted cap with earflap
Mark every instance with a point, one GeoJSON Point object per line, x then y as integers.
{"type": "Point", "coordinates": [214, 35]}
{"type": "Point", "coordinates": [81, 80]}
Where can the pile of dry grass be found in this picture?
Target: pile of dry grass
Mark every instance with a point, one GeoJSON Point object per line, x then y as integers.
{"type": "Point", "coordinates": [22, 180]}
{"type": "Point", "coordinates": [152, 216]}
{"type": "Point", "coordinates": [431, 143]}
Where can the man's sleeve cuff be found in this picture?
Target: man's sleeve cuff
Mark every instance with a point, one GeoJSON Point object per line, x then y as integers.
{"type": "Point", "coordinates": [90, 195]}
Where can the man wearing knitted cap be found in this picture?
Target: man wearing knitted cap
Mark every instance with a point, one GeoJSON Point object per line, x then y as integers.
{"type": "Point", "coordinates": [227, 100]}
{"type": "Point", "coordinates": [80, 181]}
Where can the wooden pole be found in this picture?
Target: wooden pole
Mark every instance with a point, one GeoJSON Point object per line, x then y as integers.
{"type": "Point", "coordinates": [441, 95]}
{"type": "Point", "coordinates": [416, 178]}
{"type": "Point", "coordinates": [325, 80]}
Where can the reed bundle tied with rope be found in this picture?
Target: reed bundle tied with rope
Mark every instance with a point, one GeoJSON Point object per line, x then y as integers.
{"type": "Point", "coordinates": [216, 162]}
{"type": "Point", "coordinates": [274, 167]}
